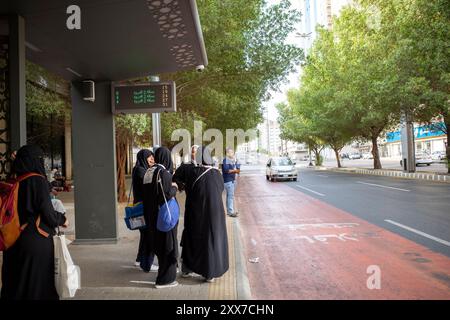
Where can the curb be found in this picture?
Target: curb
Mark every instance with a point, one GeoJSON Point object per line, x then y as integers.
{"type": "Point", "coordinates": [394, 174]}
{"type": "Point", "coordinates": [242, 283]}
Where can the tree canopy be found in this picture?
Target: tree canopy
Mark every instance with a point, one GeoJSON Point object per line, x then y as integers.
{"type": "Point", "coordinates": [380, 60]}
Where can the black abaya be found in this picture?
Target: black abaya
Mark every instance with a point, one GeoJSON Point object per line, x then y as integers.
{"type": "Point", "coordinates": [137, 178]}
{"type": "Point", "coordinates": [163, 244]}
{"type": "Point", "coordinates": [28, 266]}
{"type": "Point", "coordinates": [204, 239]}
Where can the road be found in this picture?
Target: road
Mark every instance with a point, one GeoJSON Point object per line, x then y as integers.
{"type": "Point", "coordinates": [318, 238]}
{"type": "Point", "coordinates": [438, 166]}
{"type": "Point", "coordinates": [387, 163]}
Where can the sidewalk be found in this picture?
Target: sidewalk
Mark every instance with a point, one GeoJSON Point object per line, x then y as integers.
{"type": "Point", "coordinates": [430, 176]}
{"type": "Point", "coordinates": [108, 271]}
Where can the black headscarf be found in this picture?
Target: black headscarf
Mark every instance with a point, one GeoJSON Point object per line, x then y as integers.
{"type": "Point", "coordinates": [139, 171]}
{"type": "Point", "coordinates": [203, 156]}
{"type": "Point", "coordinates": [141, 158]}
{"type": "Point", "coordinates": [164, 157]}
{"type": "Point", "coordinates": [29, 158]}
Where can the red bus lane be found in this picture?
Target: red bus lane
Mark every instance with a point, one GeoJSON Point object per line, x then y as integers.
{"type": "Point", "coordinates": [303, 248]}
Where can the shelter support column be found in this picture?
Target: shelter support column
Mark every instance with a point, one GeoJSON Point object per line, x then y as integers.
{"type": "Point", "coordinates": [94, 165]}
{"type": "Point", "coordinates": [18, 121]}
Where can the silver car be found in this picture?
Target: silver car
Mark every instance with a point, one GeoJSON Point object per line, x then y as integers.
{"type": "Point", "coordinates": [281, 168]}
{"type": "Point", "coordinates": [421, 158]}
{"type": "Point", "coordinates": [438, 155]}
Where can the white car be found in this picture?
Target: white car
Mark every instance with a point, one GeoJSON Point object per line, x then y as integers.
{"type": "Point", "coordinates": [281, 168]}
{"type": "Point", "coordinates": [367, 155]}
{"type": "Point", "coordinates": [354, 156]}
{"type": "Point", "coordinates": [421, 158]}
{"type": "Point", "coordinates": [438, 155]}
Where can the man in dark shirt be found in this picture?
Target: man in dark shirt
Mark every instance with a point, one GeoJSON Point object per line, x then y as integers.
{"type": "Point", "coordinates": [230, 168]}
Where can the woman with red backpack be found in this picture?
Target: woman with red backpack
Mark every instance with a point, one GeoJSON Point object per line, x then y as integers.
{"type": "Point", "coordinates": [28, 265]}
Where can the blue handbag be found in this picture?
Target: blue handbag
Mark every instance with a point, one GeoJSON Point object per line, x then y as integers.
{"type": "Point", "coordinates": [134, 214]}
{"type": "Point", "coordinates": [169, 212]}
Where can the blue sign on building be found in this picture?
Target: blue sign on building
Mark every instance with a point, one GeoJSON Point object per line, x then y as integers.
{"type": "Point", "coordinates": [426, 131]}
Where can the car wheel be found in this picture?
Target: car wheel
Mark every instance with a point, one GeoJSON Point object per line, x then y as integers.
{"type": "Point", "coordinates": [428, 164]}
{"type": "Point", "coordinates": [272, 179]}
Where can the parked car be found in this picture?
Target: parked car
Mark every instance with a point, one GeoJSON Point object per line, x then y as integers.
{"type": "Point", "coordinates": [367, 155]}
{"type": "Point", "coordinates": [421, 158]}
{"type": "Point", "coordinates": [354, 156]}
{"type": "Point", "coordinates": [438, 155]}
{"type": "Point", "coordinates": [281, 168]}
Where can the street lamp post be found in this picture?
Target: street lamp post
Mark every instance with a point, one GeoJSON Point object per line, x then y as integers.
{"type": "Point", "coordinates": [156, 120]}
{"type": "Point", "coordinates": [407, 141]}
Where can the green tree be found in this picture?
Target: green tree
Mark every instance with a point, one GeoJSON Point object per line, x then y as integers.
{"type": "Point", "coordinates": [420, 56]}
{"type": "Point", "coordinates": [248, 56]}
{"type": "Point", "coordinates": [322, 95]}
{"type": "Point", "coordinates": [48, 106]}
{"type": "Point", "coordinates": [381, 59]}
{"type": "Point", "coordinates": [371, 99]}
{"type": "Point", "coordinates": [128, 129]}
{"type": "Point", "coordinates": [296, 128]}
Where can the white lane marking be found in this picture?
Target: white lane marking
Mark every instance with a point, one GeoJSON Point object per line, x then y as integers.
{"type": "Point", "coordinates": [382, 186]}
{"type": "Point", "coordinates": [142, 282]}
{"type": "Point", "coordinates": [426, 235]}
{"type": "Point", "coordinates": [322, 175]}
{"type": "Point", "coordinates": [307, 189]}
{"type": "Point", "coordinates": [304, 226]}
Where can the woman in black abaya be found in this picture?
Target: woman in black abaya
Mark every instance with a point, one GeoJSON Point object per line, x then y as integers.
{"type": "Point", "coordinates": [28, 270]}
{"type": "Point", "coordinates": [144, 160]}
{"type": "Point", "coordinates": [164, 244]}
{"type": "Point", "coordinates": [204, 239]}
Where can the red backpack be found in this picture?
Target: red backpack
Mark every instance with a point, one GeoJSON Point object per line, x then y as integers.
{"type": "Point", "coordinates": [10, 227]}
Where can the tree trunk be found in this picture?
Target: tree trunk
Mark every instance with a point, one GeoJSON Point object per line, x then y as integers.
{"type": "Point", "coordinates": [447, 149]}
{"type": "Point", "coordinates": [376, 153]}
{"type": "Point", "coordinates": [51, 143]}
{"type": "Point", "coordinates": [130, 156]}
{"type": "Point", "coordinates": [121, 153]}
{"type": "Point", "coordinates": [338, 158]}
{"type": "Point", "coordinates": [318, 161]}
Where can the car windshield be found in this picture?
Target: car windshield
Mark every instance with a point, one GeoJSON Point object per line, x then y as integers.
{"type": "Point", "coordinates": [282, 162]}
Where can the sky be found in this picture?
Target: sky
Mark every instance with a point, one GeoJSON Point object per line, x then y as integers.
{"type": "Point", "coordinates": [293, 79]}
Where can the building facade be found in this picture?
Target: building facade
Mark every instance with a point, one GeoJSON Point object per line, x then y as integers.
{"type": "Point", "coordinates": [315, 13]}
{"type": "Point", "coordinates": [428, 139]}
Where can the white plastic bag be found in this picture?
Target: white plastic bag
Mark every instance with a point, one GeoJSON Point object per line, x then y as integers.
{"type": "Point", "coordinates": [67, 275]}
